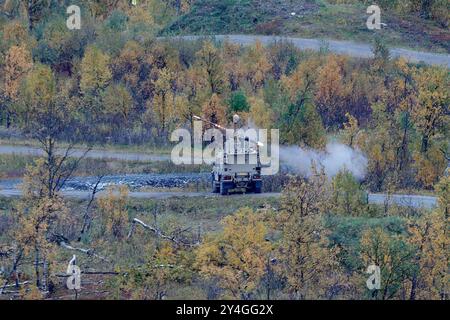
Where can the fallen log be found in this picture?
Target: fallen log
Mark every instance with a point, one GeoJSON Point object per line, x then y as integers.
{"type": "Point", "coordinates": [158, 233]}
{"type": "Point", "coordinates": [89, 252]}
{"type": "Point", "coordinates": [20, 284]}
{"type": "Point", "coordinates": [110, 273]}
{"type": "Point", "coordinates": [104, 273]}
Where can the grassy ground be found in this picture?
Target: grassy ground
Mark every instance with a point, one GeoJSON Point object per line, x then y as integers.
{"type": "Point", "coordinates": [14, 137]}
{"type": "Point", "coordinates": [13, 166]}
{"type": "Point", "coordinates": [196, 211]}
{"type": "Point", "coordinates": [186, 211]}
{"type": "Point", "coordinates": [313, 19]}
{"type": "Point", "coordinates": [202, 215]}
{"type": "Point", "coordinates": [199, 215]}
{"type": "Point", "coordinates": [149, 149]}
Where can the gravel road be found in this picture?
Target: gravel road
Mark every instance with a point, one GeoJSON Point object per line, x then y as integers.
{"type": "Point", "coordinates": [414, 201]}
{"type": "Point", "coordinates": [358, 50]}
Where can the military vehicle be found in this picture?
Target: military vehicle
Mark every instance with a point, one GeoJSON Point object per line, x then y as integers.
{"type": "Point", "coordinates": [237, 166]}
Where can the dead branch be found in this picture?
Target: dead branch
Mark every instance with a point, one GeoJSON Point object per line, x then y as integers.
{"type": "Point", "coordinates": [63, 177]}
{"type": "Point", "coordinates": [101, 273]}
{"type": "Point", "coordinates": [89, 252]}
{"type": "Point", "coordinates": [6, 252]}
{"type": "Point", "coordinates": [112, 273]}
{"type": "Point", "coordinates": [13, 285]}
{"type": "Point", "coordinates": [10, 292]}
{"type": "Point", "coordinates": [63, 242]}
{"type": "Point", "coordinates": [86, 216]}
{"type": "Point", "coordinates": [158, 233]}
{"type": "Point", "coordinates": [446, 155]}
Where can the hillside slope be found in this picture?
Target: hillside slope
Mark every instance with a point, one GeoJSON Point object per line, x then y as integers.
{"type": "Point", "coordinates": [312, 19]}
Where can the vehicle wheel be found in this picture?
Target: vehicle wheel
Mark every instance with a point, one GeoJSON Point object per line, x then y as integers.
{"type": "Point", "coordinates": [223, 189]}
{"type": "Point", "coordinates": [215, 187]}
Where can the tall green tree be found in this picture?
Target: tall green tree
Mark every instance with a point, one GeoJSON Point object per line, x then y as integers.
{"type": "Point", "coordinates": [348, 197]}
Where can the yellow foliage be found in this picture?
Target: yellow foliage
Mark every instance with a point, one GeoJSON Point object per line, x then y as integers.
{"type": "Point", "coordinates": [303, 79]}
{"type": "Point", "coordinates": [331, 90]}
{"type": "Point", "coordinates": [430, 113]}
{"type": "Point", "coordinates": [260, 113]}
{"type": "Point", "coordinates": [351, 131]}
{"type": "Point", "coordinates": [211, 64]}
{"type": "Point", "coordinates": [215, 111]}
{"type": "Point", "coordinates": [119, 102]}
{"type": "Point", "coordinates": [195, 90]}
{"type": "Point", "coordinates": [381, 145]}
{"type": "Point", "coordinates": [113, 211]}
{"type": "Point", "coordinates": [257, 65]}
{"type": "Point", "coordinates": [168, 107]}
{"type": "Point", "coordinates": [375, 247]}
{"type": "Point", "coordinates": [163, 266]}
{"type": "Point", "coordinates": [18, 62]}
{"type": "Point", "coordinates": [233, 65]}
{"type": "Point", "coordinates": [15, 33]}
{"type": "Point", "coordinates": [140, 15]}
{"type": "Point", "coordinates": [309, 264]}
{"type": "Point", "coordinates": [443, 190]}
{"type": "Point", "coordinates": [430, 236]}
{"type": "Point", "coordinates": [33, 293]}
{"type": "Point", "coordinates": [40, 216]}
{"type": "Point", "coordinates": [238, 256]}
{"type": "Point", "coordinates": [430, 166]}
{"type": "Point", "coordinates": [95, 71]}
{"type": "Point", "coordinates": [40, 90]}
{"type": "Point", "coordinates": [128, 63]}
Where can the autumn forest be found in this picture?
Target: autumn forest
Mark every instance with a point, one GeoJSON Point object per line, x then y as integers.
{"type": "Point", "coordinates": [121, 82]}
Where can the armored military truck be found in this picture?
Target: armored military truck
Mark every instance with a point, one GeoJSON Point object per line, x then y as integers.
{"type": "Point", "coordinates": [237, 167]}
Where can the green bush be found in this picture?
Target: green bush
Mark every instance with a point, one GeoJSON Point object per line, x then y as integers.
{"type": "Point", "coordinates": [238, 102]}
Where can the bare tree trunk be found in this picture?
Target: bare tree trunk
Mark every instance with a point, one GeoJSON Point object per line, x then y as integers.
{"type": "Point", "coordinates": [424, 146]}
{"type": "Point", "coordinates": [36, 267]}
{"type": "Point", "coordinates": [30, 14]}
{"type": "Point", "coordinates": [51, 164]}
{"type": "Point", "coordinates": [8, 119]}
{"type": "Point", "coordinates": [86, 217]}
{"type": "Point", "coordinates": [45, 275]}
{"type": "Point", "coordinates": [412, 295]}
{"type": "Point", "coordinates": [14, 271]}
